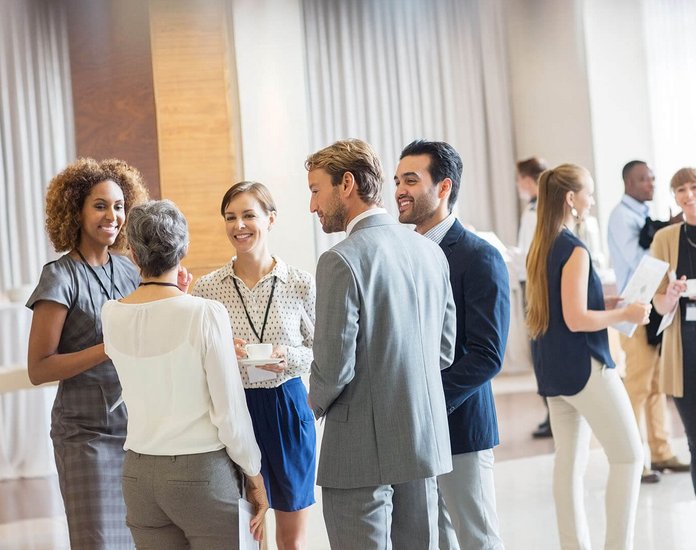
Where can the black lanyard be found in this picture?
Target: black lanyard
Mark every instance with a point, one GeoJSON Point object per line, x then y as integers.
{"type": "Point", "coordinates": [268, 307]}
{"type": "Point", "coordinates": [110, 295]}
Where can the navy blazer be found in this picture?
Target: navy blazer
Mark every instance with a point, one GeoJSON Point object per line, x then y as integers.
{"type": "Point", "coordinates": [481, 290]}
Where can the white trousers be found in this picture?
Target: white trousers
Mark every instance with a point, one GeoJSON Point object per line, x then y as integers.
{"type": "Point", "coordinates": [601, 407]}
{"type": "Point", "coordinates": [468, 519]}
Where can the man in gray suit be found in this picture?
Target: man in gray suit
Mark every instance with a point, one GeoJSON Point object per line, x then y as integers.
{"type": "Point", "coordinates": [385, 326]}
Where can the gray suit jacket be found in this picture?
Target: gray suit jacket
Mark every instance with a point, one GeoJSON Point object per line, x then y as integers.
{"type": "Point", "coordinates": [385, 326]}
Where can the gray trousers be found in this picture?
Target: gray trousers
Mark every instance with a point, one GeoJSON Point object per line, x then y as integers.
{"type": "Point", "coordinates": [468, 518]}
{"type": "Point", "coordinates": [402, 516]}
{"type": "Point", "coordinates": [185, 501]}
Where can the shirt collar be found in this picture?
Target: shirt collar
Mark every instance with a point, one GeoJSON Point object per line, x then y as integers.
{"type": "Point", "coordinates": [362, 216]}
{"type": "Point", "coordinates": [636, 206]}
{"type": "Point", "coordinates": [280, 270]}
{"type": "Point", "coordinates": [438, 232]}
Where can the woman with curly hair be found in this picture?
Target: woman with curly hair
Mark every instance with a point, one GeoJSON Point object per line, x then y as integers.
{"type": "Point", "coordinates": [86, 208]}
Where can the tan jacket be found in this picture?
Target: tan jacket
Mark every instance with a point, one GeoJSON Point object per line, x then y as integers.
{"type": "Point", "coordinates": [665, 246]}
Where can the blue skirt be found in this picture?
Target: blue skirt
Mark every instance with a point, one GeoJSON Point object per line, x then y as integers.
{"type": "Point", "coordinates": [284, 430]}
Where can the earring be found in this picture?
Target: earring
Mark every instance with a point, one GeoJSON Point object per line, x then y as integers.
{"type": "Point", "coordinates": [574, 212]}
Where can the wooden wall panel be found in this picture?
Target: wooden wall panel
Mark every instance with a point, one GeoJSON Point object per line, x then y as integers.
{"type": "Point", "coordinates": [113, 95]}
{"type": "Point", "coordinates": [194, 117]}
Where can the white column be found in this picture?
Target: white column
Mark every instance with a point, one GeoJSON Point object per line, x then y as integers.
{"type": "Point", "coordinates": [270, 64]}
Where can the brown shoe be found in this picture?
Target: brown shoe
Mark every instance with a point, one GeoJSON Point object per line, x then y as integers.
{"type": "Point", "coordinates": [671, 464]}
{"type": "Point", "coordinates": [649, 476]}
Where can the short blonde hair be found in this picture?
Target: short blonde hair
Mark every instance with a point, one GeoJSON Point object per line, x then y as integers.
{"type": "Point", "coordinates": [358, 158]}
{"type": "Point", "coordinates": [682, 176]}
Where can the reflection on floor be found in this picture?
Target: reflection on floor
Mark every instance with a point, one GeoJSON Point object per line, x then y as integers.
{"type": "Point", "coordinates": [31, 514]}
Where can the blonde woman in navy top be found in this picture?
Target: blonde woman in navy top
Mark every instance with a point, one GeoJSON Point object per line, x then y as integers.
{"type": "Point", "coordinates": [574, 370]}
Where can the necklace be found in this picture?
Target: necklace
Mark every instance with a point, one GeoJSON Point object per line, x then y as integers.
{"type": "Point", "coordinates": [158, 283]}
{"type": "Point", "coordinates": [109, 295]}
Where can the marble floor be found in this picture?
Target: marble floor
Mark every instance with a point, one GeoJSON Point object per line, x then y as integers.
{"type": "Point", "coordinates": [31, 516]}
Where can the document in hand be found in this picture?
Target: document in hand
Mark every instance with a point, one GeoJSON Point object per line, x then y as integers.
{"type": "Point", "coordinates": [246, 539]}
{"type": "Point", "coordinates": [641, 287]}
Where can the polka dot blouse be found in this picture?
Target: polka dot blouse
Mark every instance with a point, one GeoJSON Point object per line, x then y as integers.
{"type": "Point", "coordinates": [289, 317]}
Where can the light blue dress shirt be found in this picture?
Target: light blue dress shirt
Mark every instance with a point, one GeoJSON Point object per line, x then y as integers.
{"type": "Point", "coordinates": [625, 223]}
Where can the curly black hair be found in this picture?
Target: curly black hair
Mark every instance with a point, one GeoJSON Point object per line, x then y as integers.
{"type": "Point", "coordinates": [68, 190]}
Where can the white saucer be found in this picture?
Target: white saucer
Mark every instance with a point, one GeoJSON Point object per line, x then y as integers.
{"type": "Point", "coordinates": [257, 362]}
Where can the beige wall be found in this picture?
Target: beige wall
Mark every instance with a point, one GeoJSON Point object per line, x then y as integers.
{"type": "Point", "coordinates": [195, 118]}
{"type": "Point", "coordinates": [579, 89]}
{"type": "Point", "coordinates": [550, 95]}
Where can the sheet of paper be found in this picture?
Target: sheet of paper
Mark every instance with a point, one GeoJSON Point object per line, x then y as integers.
{"type": "Point", "coordinates": [307, 321]}
{"type": "Point", "coordinates": [246, 539]}
{"type": "Point", "coordinates": [667, 319]}
{"type": "Point", "coordinates": [256, 374]}
{"type": "Point", "coordinates": [642, 286]}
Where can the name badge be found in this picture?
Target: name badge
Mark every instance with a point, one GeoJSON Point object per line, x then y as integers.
{"type": "Point", "coordinates": [690, 312]}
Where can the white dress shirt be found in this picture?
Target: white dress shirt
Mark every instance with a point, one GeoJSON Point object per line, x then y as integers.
{"type": "Point", "coordinates": [525, 237]}
{"type": "Point", "coordinates": [178, 371]}
{"type": "Point", "coordinates": [290, 317]}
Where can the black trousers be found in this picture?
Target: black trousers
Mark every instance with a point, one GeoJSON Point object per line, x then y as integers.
{"type": "Point", "coordinates": [687, 405]}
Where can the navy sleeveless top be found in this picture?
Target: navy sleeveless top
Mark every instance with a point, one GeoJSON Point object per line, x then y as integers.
{"type": "Point", "coordinates": [562, 359]}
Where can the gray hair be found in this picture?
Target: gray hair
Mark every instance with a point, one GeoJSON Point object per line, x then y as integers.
{"type": "Point", "coordinates": [158, 236]}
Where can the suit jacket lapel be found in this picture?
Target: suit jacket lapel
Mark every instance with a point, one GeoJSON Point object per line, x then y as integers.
{"type": "Point", "coordinates": [452, 237]}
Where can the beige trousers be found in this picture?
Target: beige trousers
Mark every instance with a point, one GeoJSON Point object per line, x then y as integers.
{"type": "Point", "coordinates": [601, 407]}
{"type": "Point", "coordinates": [642, 384]}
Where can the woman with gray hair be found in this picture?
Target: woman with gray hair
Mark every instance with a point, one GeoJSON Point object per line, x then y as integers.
{"type": "Point", "coordinates": [189, 429]}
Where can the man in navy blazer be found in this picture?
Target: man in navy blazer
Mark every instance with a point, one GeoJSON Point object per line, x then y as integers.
{"type": "Point", "coordinates": [427, 183]}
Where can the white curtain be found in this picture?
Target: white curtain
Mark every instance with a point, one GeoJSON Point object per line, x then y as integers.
{"type": "Point", "coordinates": [670, 46]}
{"type": "Point", "coordinates": [36, 130]}
{"type": "Point", "coordinates": [391, 71]}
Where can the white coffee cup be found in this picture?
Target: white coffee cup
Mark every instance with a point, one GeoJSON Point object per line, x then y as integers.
{"type": "Point", "coordinates": [259, 351]}
{"type": "Point", "coordinates": [690, 288]}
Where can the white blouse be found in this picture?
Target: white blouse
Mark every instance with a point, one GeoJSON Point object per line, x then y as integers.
{"type": "Point", "coordinates": [180, 380]}
{"type": "Point", "coordinates": [290, 317]}
{"type": "Point", "coordinates": [525, 237]}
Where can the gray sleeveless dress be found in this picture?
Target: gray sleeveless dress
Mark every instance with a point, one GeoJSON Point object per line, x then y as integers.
{"type": "Point", "coordinates": [87, 438]}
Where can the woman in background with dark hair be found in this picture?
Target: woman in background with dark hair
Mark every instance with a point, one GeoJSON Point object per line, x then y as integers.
{"type": "Point", "coordinates": [527, 180]}
{"type": "Point", "coordinates": [572, 364]}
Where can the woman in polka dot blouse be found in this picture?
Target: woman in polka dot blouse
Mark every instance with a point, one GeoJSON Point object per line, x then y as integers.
{"type": "Point", "coordinates": [271, 302]}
